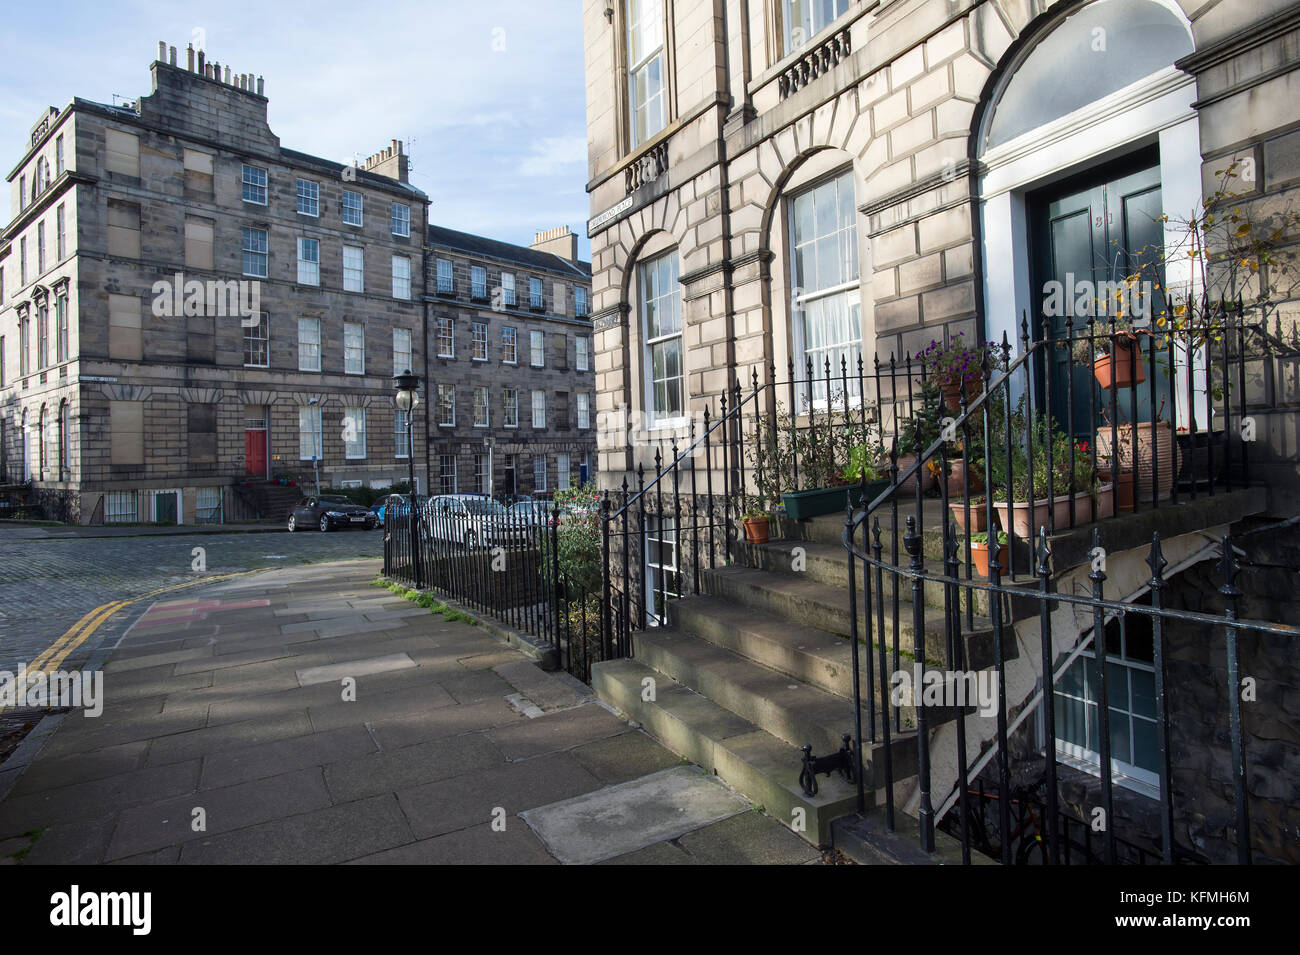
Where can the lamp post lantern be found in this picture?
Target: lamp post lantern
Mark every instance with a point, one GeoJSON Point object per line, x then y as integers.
{"type": "Point", "coordinates": [407, 398]}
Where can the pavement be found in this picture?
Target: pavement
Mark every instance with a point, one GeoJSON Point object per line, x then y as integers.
{"type": "Point", "coordinates": [304, 715]}
{"type": "Point", "coordinates": [50, 582]}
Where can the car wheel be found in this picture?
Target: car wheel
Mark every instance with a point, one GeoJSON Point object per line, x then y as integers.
{"type": "Point", "coordinates": [324, 524]}
{"type": "Point", "coordinates": [293, 523]}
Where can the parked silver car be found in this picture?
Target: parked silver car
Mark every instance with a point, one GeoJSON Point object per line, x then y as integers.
{"type": "Point", "coordinates": [473, 520]}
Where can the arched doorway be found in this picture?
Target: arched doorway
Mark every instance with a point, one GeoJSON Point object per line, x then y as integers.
{"type": "Point", "coordinates": [1086, 137]}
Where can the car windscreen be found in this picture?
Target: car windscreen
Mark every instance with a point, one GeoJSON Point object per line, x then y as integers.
{"type": "Point", "coordinates": [485, 508]}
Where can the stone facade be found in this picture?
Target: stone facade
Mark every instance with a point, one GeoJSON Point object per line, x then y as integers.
{"type": "Point", "coordinates": [162, 398]}
{"type": "Point", "coordinates": [474, 297]}
{"type": "Point", "coordinates": [903, 97]}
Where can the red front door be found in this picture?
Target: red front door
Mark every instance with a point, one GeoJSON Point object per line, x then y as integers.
{"type": "Point", "coordinates": [255, 451]}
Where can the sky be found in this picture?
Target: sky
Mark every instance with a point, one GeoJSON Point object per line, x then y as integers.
{"type": "Point", "coordinates": [488, 95]}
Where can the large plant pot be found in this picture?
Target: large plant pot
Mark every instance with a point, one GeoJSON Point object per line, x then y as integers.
{"type": "Point", "coordinates": [928, 481]}
{"type": "Point", "coordinates": [1126, 481]}
{"type": "Point", "coordinates": [1026, 520]}
{"type": "Point", "coordinates": [756, 529]}
{"type": "Point", "coordinates": [963, 479]}
{"type": "Point", "coordinates": [1124, 373]}
{"type": "Point", "coordinates": [979, 558]}
{"type": "Point", "coordinates": [1155, 449]}
{"type": "Point", "coordinates": [979, 516]}
{"type": "Point", "coordinates": [800, 505]}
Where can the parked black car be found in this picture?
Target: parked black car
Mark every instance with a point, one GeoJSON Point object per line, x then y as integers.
{"type": "Point", "coordinates": [329, 512]}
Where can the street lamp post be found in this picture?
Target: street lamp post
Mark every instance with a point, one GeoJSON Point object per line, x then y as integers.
{"type": "Point", "coordinates": [492, 474]}
{"type": "Point", "coordinates": [407, 398]}
{"type": "Point", "coordinates": [315, 424]}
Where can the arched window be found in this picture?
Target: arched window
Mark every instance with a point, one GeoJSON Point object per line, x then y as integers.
{"type": "Point", "coordinates": [1101, 48]}
{"type": "Point", "coordinates": [659, 302]}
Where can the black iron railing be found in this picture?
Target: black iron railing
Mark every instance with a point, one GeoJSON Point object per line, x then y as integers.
{"type": "Point", "coordinates": [1001, 425]}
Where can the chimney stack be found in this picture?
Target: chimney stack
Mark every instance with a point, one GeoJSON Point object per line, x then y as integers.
{"type": "Point", "coordinates": [391, 162]}
{"type": "Point", "coordinates": [558, 241]}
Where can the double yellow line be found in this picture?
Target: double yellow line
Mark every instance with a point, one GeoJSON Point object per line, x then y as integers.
{"type": "Point", "coordinates": [79, 632]}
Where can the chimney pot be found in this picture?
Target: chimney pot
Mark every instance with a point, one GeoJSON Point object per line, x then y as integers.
{"type": "Point", "coordinates": [171, 55]}
{"type": "Point", "coordinates": [226, 74]}
{"type": "Point", "coordinates": [189, 57]}
{"type": "Point", "coordinates": [162, 51]}
{"type": "Point", "coordinates": [201, 66]}
{"type": "Point", "coordinates": [260, 87]}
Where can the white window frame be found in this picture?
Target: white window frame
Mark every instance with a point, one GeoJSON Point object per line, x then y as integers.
{"type": "Point", "coordinates": [537, 349]}
{"type": "Point", "coordinates": [478, 282]}
{"type": "Point", "coordinates": [251, 245]}
{"type": "Point", "coordinates": [311, 416]}
{"type": "Point", "coordinates": [307, 347]}
{"type": "Point", "coordinates": [563, 477]}
{"type": "Point", "coordinates": [508, 289]}
{"type": "Point", "coordinates": [509, 345]}
{"type": "Point", "coordinates": [584, 411]}
{"type": "Point", "coordinates": [809, 26]}
{"type": "Point", "coordinates": [402, 280]}
{"type": "Point", "coordinates": [353, 203]}
{"type": "Point", "coordinates": [485, 406]}
{"type": "Point", "coordinates": [641, 17]}
{"type": "Point", "coordinates": [446, 337]}
{"type": "Point", "coordinates": [847, 293]}
{"type": "Point", "coordinates": [446, 281]}
{"type": "Point", "coordinates": [401, 219]}
{"type": "Point", "coordinates": [254, 334]}
{"type": "Point", "coordinates": [402, 340]}
{"type": "Point", "coordinates": [445, 472]}
{"type": "Point", "coordinates": [446, 406]}
{"type": "Point", "coordinates": [539, 409]}
{"type": "Point", "coordinates": [536, 293]}
{"type": "Point", "coordinates": [401, 435]}
{"type": "Point", "coordinates": [580, 306]}
{"type": "Point", "coordinates": [354, 352]}
{"type": "Point", "coordinates": [479, 341]}
{"type": "Point", "coordinates": [581, 353]}
{"type": "Point", "coordinates": [671, 298]}
{"type": "Point", "coordinates": [511, 404]}
{"type": "Point", "coordinates": [253, 184]}
{"type": "Point", "coordinates": [354, 276]}
{"type": "Point", "coordinates": [308, 268]}
{"type": "Point", "coordinates": [309, 198]}
{"type": "Point", "coordinates": [350, 448]}
{"type": "Point", "coordinates": [539, 473]}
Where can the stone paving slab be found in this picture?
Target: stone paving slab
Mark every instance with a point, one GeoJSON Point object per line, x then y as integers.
{"type": "Point", "coordinates": [619, 819]}
{"type": "Point", "coordinates": [423, 768]}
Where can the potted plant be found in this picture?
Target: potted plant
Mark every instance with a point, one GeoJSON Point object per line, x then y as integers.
{"type": "Point", "coordinates": [755, 519]}
{"type": "Point", "coordinates": [923, 426]}
{"type": "Point", "coordinates": [955, 368]}
{"type": "Point", "coordinates": [979, 551]}
{"type": "Point", "coordinates": [1144, 448]}
{"type": "Point", "coordinates": [1027, 497]}
{"type": "Point", "coordinates": [1128, 367]}
{"type": "Point", "coordinates": [979, 517]}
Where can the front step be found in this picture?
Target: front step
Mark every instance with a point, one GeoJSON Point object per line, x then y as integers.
{"type": "Point", "coordinates": [751, 760]}
{"type": "Point", "coordinates": [828, 564]}
{"type": "Point", "coordinates": [867, 840]}
{"type": "Point", "coordinates": [803, 602]}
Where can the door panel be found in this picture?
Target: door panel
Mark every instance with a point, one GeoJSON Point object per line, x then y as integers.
{"type": "Point", "coordinates": [1097, 232]}
{"type": "Point", "coordinates": [255, 452]}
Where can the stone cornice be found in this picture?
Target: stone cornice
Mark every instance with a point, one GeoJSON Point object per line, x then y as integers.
{"type": "Point", "coordinates": [1233, 46]}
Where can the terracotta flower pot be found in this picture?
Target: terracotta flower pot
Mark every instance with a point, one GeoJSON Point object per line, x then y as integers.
{"type": "Point", "coordinates": [963, 479]}
{"type": "Point", "coordinates": [979, 517]}
{"type": "Point", "coordinates": [979, 557]}
{"type": "Point", "coordinates": [1156, 448]}
{"type": "Point", "coordinates": [1026, 520]}
{"type": "Point", "coordinates": [1126, 481]}
{"type": "Point", "coordinates": [1124, 372]}
{"type": "Point", "coordinates": [756, 530]}
{"type": "Point", "coordinates": [928, 480]}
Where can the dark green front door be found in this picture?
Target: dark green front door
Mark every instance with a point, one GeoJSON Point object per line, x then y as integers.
{"type": "Point", "coordinates": [1091, 231]}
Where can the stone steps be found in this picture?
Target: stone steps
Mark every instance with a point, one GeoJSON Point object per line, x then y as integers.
{"type": "Point", "coordinates": [762, 766]}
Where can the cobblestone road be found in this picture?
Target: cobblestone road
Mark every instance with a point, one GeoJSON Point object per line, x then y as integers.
{"type": "Point", "coordinates": [46, 586]}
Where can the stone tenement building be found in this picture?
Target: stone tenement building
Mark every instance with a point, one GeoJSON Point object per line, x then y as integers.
{"type": "Point", "coordinates": [511, 381]}
{"type": "Point", "coordinates": [186, 304]}
{"type": "Point", "coordinates": [821, 180]}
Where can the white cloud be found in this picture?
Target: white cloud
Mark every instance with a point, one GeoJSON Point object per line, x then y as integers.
{"type": "Point", "coordinates": [556, 156]}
